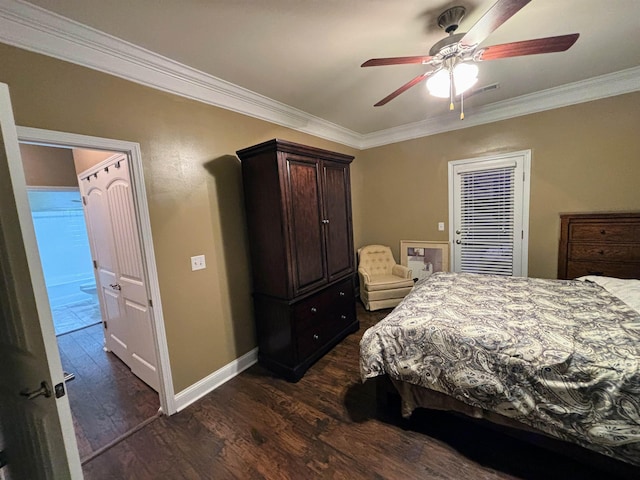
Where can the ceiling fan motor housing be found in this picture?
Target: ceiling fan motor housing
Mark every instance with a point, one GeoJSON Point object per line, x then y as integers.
{"type": "Point", "coordinates": [451, 18]}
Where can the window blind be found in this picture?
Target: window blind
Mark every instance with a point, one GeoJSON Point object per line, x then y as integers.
{"type": "Point", "coordinates": [487, 221]}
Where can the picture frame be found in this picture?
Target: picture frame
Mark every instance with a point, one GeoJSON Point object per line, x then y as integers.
{"type": "Point", "coordinates": [424, 257]}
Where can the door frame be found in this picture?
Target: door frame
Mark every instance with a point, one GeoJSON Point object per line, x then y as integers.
{"type": "Point", "coordinates": [132, 149]}
{"type": "Point", "coordinates": [526, 158]}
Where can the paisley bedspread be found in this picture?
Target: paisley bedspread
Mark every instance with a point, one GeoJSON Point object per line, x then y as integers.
{"type": "Point", "coordinates": [562, 356]}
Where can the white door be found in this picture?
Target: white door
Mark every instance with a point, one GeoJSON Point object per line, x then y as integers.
{"type": "Point", "coordinates": [36, 434]}
{"type": "Point", "coordinates": [115, 244]}
{"type": "Point", "coordinates": [489, 214]}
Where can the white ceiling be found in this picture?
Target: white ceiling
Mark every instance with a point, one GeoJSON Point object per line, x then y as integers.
{"type": "Point", "coordinates": [307, 53]}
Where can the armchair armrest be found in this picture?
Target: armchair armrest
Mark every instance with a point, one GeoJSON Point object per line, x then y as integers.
{"type": "Point", "coordinates": [364, 276]}
{"type": "Point", "coordinates": [401, 271]}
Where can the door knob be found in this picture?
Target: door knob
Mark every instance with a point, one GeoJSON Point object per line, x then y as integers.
{"type": "Point", "coordinates": [115, 286]}
{"type": "Point", "coordinates": [43, 390]}
{"type": "Point", "coordinates": [458, 232]}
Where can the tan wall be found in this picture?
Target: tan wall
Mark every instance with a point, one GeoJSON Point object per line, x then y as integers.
{"type": "Point", "coordinates": [584, 158]}
{"type": "Point", "coordinates": [194, 188]}
{"type": "Point", "coordinates": [48, 166]}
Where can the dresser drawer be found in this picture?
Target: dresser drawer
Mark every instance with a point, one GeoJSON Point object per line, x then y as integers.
{"type": "Point", "coordinates": [605, 269]}
{"type": "Point", "coordinates": [606, 252]}
{"type": "Point", "coordinates": [603, 232]}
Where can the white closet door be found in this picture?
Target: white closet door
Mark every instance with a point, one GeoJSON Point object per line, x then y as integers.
{"type": "Point", "coordinates": [37, 433]}
{"type": "Point", "coordinates": [490, 214]}
{"type": "Point", "coordinates": [115, 241]}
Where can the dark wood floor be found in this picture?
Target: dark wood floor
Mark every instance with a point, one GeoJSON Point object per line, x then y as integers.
{"type": "Point", "coordinates": [106, 399]}
{"type": "Point", "coordinates": [325, 426]}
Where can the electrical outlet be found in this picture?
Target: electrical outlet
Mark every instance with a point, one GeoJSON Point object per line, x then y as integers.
{"type": "Point", "coordinates": [441, 226]}
{"type": "Point", "coordinates": [198, 263]}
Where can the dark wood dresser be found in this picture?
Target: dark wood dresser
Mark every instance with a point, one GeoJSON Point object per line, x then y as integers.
{"type": "Point", "coordinates": [298, 206]}
{"type": "Point", "coordinates": [606, 244]}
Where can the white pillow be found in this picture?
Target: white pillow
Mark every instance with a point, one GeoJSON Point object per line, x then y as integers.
{"type": "Point", "coordinates": [627, 290]}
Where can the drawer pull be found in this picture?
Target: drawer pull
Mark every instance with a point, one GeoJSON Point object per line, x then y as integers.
{"type": "Point", "coordinates": [601, 252]}
{"type": "Point", "coordinates": [603, 232]}
{"type": "Point", "coordinates": [343, 317]}
{"type": "Point", "coordinates": [316, 337]}
{"type": "Point", "coordinates": [342, 294]}
{"type": "Point", "coordinates": [314, 309]}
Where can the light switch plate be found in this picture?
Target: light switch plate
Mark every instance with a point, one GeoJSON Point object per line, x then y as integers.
{"type": "Point", "coordinates": [198, 262]}
{"type": "Point", "coordinates": [441, 226]}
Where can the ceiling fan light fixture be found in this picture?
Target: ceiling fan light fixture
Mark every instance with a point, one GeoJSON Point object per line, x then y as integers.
{"type": "Point", "coordinates": [439, 84]}
{"type": "Point", "coordinates": [465, 76]}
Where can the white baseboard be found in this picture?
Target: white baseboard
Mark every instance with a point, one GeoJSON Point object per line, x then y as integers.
{"type": "Point", "coordinates": [199, 389]}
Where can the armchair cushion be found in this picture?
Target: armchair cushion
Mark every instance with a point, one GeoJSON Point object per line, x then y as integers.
{"type": "Point", "coordinates": [386, 282]}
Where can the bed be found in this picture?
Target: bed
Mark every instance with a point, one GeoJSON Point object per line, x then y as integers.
{"type": "Point", "coordinates": [558, 357]}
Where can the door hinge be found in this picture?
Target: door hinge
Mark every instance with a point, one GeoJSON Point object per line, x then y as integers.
{"type": "Point", "coordinates": [84, 200]}
{"type": "Point", "coordinates": [105, 324]}
{"type": "Point", "coordinates": [522, 234]}
{"type": "Point", "coordinates": [151, 303]}
{"type": "Point", "coordinates": [95, 264]}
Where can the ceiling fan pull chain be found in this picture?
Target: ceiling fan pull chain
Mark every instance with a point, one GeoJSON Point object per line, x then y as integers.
{"type": "Point", "coordinates": [451, 107]}
{"type": "Point", "coordinates": [462, 106]}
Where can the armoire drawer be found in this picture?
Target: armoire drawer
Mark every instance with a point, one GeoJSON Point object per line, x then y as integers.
{"type": "Point", "coordinates": [311, 338]}
{"type": "Point", "coordinates": [321, 304]}
{"type": "Point", "coordinates": [319, 319]}
{"type": "Point", "coordinates": [604, 252]}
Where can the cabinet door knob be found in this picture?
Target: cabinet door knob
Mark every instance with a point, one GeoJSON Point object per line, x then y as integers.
{"type": "Point", "coordinates": [316, 336]}
{"type": "Point", "coordinates": [601, 252]}
{"type": "Point", "coordinates": [603, 232]}
{"type": "Point", "coordinates": [325, 221]}
{"type": "Point", "coordinates": [342, 294]}
{"type": "Point", "coordinates": [314, 309]}
{"type": "Point", "coordinates": [343, 317]}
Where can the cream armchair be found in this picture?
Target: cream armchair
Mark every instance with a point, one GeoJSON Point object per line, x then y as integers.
{"type": "Point", "coordinates": [383, 283]}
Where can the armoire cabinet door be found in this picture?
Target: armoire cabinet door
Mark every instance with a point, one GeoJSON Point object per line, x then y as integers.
{"type": "Point", "coordinates": [337, 212]}
{"type": "Point", "coordinates": [305, 224]}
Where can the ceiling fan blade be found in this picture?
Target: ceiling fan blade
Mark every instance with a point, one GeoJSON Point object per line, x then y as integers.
{"type": "Point", "coordinates": [376, 62]}
{"type": "Point", "coordinates": [500, 12]}
{"type": "Point", "coordinates": [528, 47]}
{"type": "Point", "coordinates": [403, 88]}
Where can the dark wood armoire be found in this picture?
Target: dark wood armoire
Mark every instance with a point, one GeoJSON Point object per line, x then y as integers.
{"type": "Point", "coordinates": [298, 205]}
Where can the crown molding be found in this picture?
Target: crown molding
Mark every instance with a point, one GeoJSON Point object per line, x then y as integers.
{"type": "Point", "coordinates": [38, 30]}
{"type": "Point", "coordinates": [603, 86]}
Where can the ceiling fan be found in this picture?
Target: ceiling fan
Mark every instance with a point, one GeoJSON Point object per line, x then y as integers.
{"type": "Point", "coordinates": [454, 57]}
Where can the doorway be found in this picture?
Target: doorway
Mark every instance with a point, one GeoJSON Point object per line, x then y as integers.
{"type": "Point", "coordinates": [65, 255]}
{"type": "Point", "coordinates": [101, 414]}
{"type": "Point", "coordinates": [106, 399]}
